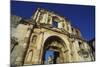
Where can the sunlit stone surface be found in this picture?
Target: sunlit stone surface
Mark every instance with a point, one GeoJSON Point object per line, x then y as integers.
{"type": "Point", "coordinates": [30, 39]}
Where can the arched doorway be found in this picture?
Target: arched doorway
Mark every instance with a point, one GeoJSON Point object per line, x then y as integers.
{"type": "Point", "coordinates": [57, 47]}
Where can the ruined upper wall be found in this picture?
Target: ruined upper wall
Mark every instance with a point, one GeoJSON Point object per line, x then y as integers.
{"type": "Point", "coordinates": [15, 20]}
{"type": "Point", "coordinates": [45, 17]}
{"type": "Point", "coordinates": [42, 16]}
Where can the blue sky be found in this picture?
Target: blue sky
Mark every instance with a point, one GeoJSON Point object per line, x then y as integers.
{"type": "Point", "coordinates": [81, 17]}
{"type": "Point", "coordinates": [49, 53]}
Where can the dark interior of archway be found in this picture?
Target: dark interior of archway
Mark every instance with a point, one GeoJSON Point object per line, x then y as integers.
{"type": "Point", "coordinates": [52, 54]}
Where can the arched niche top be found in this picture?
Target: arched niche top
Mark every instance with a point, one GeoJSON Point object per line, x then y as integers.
{"type": "Point", "coordinates": [60, 47]}
{"type": "Point", "coordinates": [58, 18]}
{"type": "Point", "coordinates": [51, 39]}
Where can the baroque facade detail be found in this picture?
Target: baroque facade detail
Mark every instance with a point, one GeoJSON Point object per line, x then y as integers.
{"type": "Point", "coordinates": [46, 30]}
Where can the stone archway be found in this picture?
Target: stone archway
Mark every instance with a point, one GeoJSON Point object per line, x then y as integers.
{"type": "Point", "coordinates": [56, 44]}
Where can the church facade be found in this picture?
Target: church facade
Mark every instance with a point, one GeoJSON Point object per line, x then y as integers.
{"type": "Point", "coordinates": [46, 30]}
